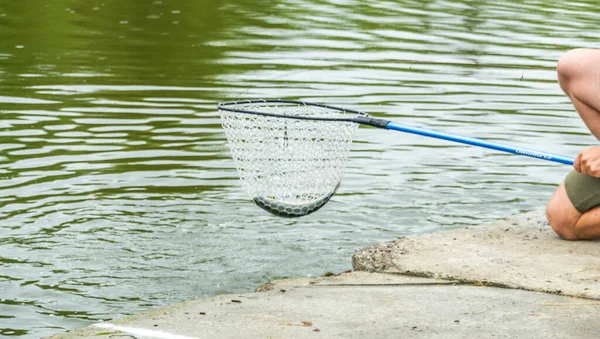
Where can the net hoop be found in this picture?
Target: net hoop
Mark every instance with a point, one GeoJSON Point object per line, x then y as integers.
{"type": "Point", "coordinates": [224, 106]}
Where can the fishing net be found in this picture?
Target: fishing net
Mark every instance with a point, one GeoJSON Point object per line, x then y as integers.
{"type": "Point", "coordinates": [291, 167]}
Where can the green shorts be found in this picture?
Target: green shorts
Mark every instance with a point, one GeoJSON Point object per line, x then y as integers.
{"type": "Point", "coordinates": [583, 191]}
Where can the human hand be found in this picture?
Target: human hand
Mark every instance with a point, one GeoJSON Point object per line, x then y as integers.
{"type": "Point", "coordinates": [588, 161]}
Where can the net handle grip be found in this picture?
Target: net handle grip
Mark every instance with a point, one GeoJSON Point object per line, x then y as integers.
{"type": "Point", "coordinates": [367, 120]}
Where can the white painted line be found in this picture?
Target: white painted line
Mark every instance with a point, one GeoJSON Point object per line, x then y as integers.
{"type": "Point", "coordinates": [143, 332]}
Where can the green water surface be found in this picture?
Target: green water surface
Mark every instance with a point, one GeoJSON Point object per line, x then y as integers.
{"type": "Point", "coordinates": [117, 190]}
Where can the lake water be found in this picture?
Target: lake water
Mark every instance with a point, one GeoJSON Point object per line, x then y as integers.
{"type": "Point", "coordinates": [117, 189]}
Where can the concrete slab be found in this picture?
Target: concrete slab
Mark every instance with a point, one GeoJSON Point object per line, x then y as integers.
{"type": "Point", "coordinates": [363, 305]}
{"type": "Point", "coordinates": [522, 252]}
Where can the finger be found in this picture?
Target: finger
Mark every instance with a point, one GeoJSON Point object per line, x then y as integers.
{"type": "Point", "coordinates": [594, 168]}
{"type": "Point", "coordinates": [584, 166]}
{"type": "Point", "coordinates": [577, 163]}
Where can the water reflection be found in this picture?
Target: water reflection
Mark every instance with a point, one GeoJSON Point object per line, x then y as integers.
{"type": "Point", "coordinates": [117, 191]}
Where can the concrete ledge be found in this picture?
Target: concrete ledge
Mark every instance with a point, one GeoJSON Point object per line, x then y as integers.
{"type": "Point", "coordinates": [522, 253]}
{"type": "Point", "coordinates": [363, 305]}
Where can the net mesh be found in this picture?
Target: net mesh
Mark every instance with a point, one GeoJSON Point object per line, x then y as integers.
{"type": "Point", "coordinates": [290, 167]}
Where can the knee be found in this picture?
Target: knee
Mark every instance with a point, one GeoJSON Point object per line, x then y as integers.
{"type": "Point", "coordinates": [563, 228]}
{"type": "Point", "coordinates": [571, 67]}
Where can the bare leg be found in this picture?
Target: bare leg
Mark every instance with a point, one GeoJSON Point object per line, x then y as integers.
{"type": "Point", "coordinates": [567, 222]}
{"type": "Point", "coordinates": [579, 76]}
{"type": "Point", "coordinates": [562, 215]}
{"type": "Point", "coordinates": [588, 225]}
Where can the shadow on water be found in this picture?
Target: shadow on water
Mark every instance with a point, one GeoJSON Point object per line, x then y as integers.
{"type": "Point", "coordinates": [117, 190]}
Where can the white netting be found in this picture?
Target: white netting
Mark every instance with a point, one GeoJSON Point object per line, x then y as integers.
{"type": "Point", "coordinates": [290, 167]}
